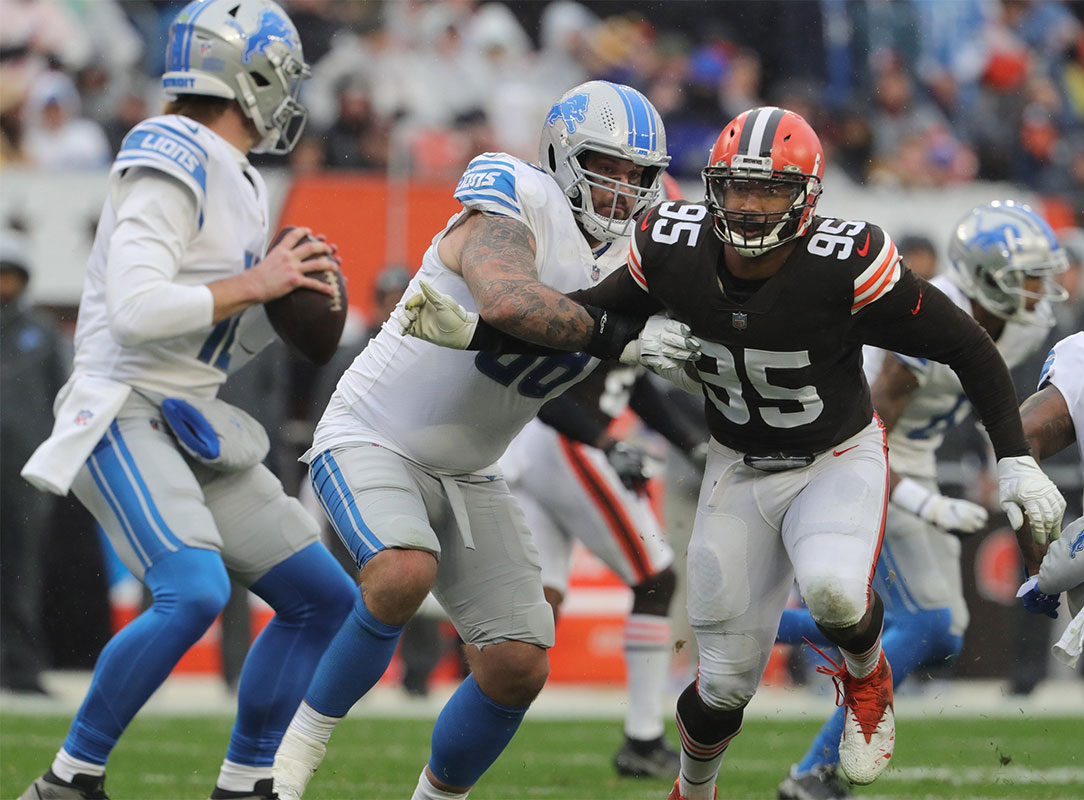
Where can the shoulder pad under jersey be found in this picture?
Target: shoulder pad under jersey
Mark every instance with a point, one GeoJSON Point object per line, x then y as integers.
{"type": "Point", "coordinates": [492, 183]}
{"type": "Point", "coordinates": [172, 145]}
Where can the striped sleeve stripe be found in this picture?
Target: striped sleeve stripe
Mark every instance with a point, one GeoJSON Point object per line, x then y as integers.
{"type": "Point", "coordinates": [634, 265]}
{"type": "Point", "coordinates": [878, 278]}
{"type": "Point", "coordinates": [492, 198]}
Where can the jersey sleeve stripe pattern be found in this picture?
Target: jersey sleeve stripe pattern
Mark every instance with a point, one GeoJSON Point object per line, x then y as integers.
{"type": "Point", "coordinates": [878, 278]}
{"type": "Point", "coordinates": [635, 268]}
{"type": "Point", "coordinates": [488, 181]}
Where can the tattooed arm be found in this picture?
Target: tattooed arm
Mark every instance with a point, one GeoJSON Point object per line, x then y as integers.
{"type": "Point", "coordinates": [496, 257]}
{"type": "Point", "coordinates": [1047, 424]}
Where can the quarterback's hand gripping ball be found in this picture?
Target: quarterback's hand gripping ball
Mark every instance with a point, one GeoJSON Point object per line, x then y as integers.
{"type": "Point", "coordinates": [309, 321]}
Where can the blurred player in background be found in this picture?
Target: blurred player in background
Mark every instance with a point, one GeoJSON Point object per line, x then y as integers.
{"type": "Point", "coordinates": [404, 459]}
{"type": "Point", "coordinates": [1053, 420]}
{"type": "Point", "coordinates": [576, 482]}
{"type": "Point", "coordinates": [172, 304]}
{"type": "Point", "coordinates": [796, 482]}
{"type": "Point", "coordinates": [1003, 259]}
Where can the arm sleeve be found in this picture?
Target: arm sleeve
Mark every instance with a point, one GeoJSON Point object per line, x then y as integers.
{"type": "Point", "coordinates": [917, 319]}
{"type": "Point", "coordinates": [157, 216]}
{"type": "Point", "coordinates": [654, 408]}
{"type": "Point", "coordinates": [565, 415]}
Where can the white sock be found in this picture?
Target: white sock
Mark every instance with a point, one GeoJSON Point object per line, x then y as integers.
{"type": "Point", "coordinates": [697, 791]}
{"type": "Point", "coordinates": [240, 777]}
{"type": "Point", "coordinates": [862, 664]}
{"type": "Point", "coordinates": [66, 766]}
{"type": "Point", "coordinates": [698, 775]}
{"type": "Point", "coordinates": [312, 723]}
{"type": "Point", "coordinates": [647, 659]}
{"type": "Point", "coordinates": [427, 791]}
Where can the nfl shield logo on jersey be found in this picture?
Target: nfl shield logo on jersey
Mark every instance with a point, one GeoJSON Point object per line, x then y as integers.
{"type": "Point", "coordinates": [739, 320]}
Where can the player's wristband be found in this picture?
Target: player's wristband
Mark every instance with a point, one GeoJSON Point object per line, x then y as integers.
{"type": "Point", "coordinates": [911, 496]}
{"type": "Point", "coordinates": [612, 331]}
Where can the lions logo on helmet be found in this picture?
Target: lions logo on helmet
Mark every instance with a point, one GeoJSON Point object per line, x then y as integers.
{"type": "Point", "coordinates": [1004, 256]}
{"type": "Point", "coordinates": [243, 50]}
{"type": "Point", "coordinates": [611, 119]}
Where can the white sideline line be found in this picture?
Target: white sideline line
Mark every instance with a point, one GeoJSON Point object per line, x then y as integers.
{"type": "Point", "coordinates": [201, 696]}
{"type": "Point", "coordinates": [966, 776]}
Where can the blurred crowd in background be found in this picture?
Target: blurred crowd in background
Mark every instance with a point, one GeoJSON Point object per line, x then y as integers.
{"type": "Point", "coordinates": [912, 93]}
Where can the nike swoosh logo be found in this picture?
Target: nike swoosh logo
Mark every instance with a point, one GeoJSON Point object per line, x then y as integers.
{"type": "Point", "coordinates": [643, 225]}
{"type": "Point", "coordinates": [918, 305]}
{"type": "Point", "coordinates": [844, 450]}
{"type": "Point", "coordinates": [864, 248]}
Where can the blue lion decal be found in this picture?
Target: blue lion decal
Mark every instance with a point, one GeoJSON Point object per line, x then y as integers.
{"type": "Point", "coordinates": [273, 28]}
{"type": "Point", "coordinates": [1077, 545]}
{"type": "Point", "coordinates": [572, 111]}
{"type": "Point", "coordinates": [996, 237]}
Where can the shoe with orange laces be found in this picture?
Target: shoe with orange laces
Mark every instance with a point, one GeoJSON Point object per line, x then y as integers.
{"type": "Point", "coordinates": [869, 726]}
{"type": "Point", "coordinates": [675, 793]}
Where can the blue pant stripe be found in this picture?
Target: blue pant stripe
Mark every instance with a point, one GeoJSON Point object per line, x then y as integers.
{"type": "Point", "coordinates": [348, 520]}
{"type": "Point", "coordinates": [114, 503]}
{"type": "Point", "coordinates": [154, 519]}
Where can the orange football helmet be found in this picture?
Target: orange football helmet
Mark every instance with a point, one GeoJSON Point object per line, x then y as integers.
{"type": "Point", "coordinates": [775, 146]}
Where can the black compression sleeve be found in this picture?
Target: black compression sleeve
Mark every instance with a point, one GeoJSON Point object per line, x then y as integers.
{"type": "Point", "coordinates": [654, 408]}
{"type": "Point", "coordinates": [564, 414]}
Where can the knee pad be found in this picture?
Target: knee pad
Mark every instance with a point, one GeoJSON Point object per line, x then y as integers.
{"type": "Point", "coordinates": [729, 670]}
{"type": "Point", "coordinates": [653, 596]}
{"type": "Point", "coordinates": [835, 602]}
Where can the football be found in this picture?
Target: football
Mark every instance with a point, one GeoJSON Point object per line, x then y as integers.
{"type": "Point", "coordinates": [309, 322]}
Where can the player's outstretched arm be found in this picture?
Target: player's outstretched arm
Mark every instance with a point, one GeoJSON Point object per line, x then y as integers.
{"type": "Point", "coordinates": [1047, 423]}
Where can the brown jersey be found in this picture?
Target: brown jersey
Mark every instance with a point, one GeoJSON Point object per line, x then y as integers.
{"type": "Point", "coordinates": [782, 369]}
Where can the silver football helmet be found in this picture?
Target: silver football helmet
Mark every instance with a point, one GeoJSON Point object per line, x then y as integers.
{"type": "Point", "coordinates": [995, 248]}
{"type": "Point", "coordinates": [243, 50]}
{"type": "Point", "coordinates": [608, 118]}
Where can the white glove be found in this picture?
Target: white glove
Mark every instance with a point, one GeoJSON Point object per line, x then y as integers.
{"type": "Point", "coordinates": [947, 513]}
{"type": "Point", "coordinates": [436, 317]}
{"type": "Point", "coordinates": [1023, 488]}
{"type": "Point", "coordinates": [664, 343]}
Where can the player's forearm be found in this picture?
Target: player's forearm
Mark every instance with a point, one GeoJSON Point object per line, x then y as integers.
{"type": "Point", "coordinates": [1047, 424]}
{"type": "Point", "coordinates": [531, 311]}
{"type": "Point", "coordinates": [232, 296]}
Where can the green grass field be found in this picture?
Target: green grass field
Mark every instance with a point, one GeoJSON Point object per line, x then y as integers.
{"type": "Point", "coordinates": [372, 759]}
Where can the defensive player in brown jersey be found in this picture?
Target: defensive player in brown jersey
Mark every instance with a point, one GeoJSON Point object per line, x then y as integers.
{"type": "Point", "coordinates": [796, 480]}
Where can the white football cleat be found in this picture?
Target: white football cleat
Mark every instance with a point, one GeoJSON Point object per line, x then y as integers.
{"type": "Point", "coordinates": [869, 726]}
{"type": "Point", "coordinates": [296, 761]}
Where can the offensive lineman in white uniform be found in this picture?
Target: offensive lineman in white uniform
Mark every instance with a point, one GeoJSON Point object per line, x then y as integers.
{"type": "Point", "coordinates": [171, 305]}
{"type": "Point", "coordinates": [404, 457]}
{"type": "Point", "coordinates": [1053, 419]}
{"type": "Point", "coordinates": [1002, 258]}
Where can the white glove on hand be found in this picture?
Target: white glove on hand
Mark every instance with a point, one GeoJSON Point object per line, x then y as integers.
{"type": "Point", "coordinates": [1023, 488]}
{"type": "Point", "coordinates": [663, 343]}
{"type": "Point", "coordinates": [436, 317]}
{"type": "Point", "coordinates": [947, 513]}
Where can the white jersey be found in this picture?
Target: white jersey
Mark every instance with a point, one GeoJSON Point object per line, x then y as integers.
{"type": "Point", "coordinates": [455, 411]}
{"type": "Point", "coordinates": [221, 235]}
{"type": "Point", "coordinates": [1064, 370]}
{"type": "Point", "coordinates": [939, 402]}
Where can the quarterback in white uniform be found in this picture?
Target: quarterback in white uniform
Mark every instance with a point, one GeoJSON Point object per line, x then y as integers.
{"type": "Point", "coordinates": [404, 458]}
{"type": "Point", "coordinates": [172, 303]}
{"type": "Point", "coordinates": [1002, 259]}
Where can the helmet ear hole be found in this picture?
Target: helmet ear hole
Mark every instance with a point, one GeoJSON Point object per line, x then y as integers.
{"type": "Point", "coordinates": [259, 79]}
{"type": "Point", "coordinates": [552, 159]}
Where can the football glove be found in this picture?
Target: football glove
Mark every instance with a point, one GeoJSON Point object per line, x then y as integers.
{"type": "Point", "coordinates": [947, 513]}
{"type": "Point", "coordinates": [1023, 488]}
{"type": "Point", "coordinates": [1038, 602]}
{"type": "Point", "coordinates": [629, 462]}
{"type": "Point", "coordinates": [436, 317]}
{"type": "Point", "coordinates": [662, 343]}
